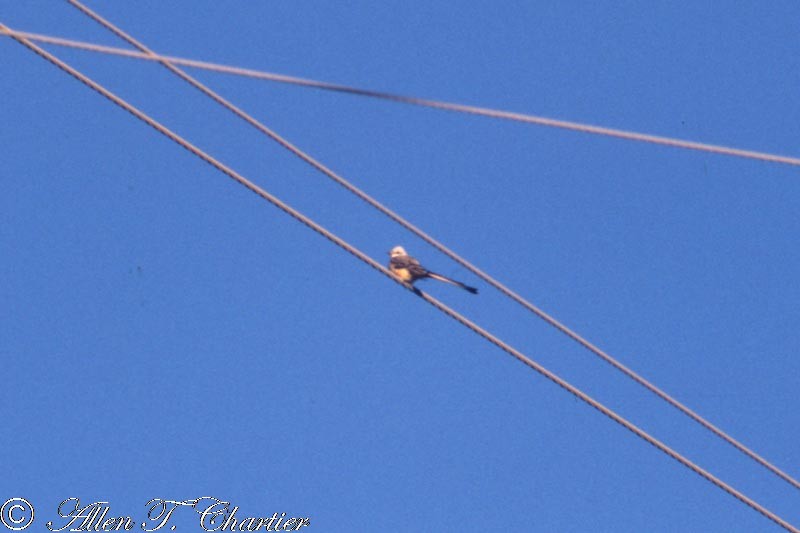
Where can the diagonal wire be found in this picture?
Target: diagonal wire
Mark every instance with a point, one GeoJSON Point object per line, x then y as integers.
{"type": "Point", "coordinates": [423, 102]}
{"type": "Point", "coordinates": [380, 268]}
{"type": "Point", "coordinates": [444, 249]}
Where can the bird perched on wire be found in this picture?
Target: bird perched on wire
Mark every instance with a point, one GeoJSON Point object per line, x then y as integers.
{"type": "Point", "coordinates": [408, 269]}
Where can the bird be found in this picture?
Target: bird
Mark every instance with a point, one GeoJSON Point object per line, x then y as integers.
{"type": "Point", "coordinates": [409, 270]}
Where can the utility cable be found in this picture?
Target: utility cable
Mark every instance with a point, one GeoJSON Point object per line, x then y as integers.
{"type": "Point", "coordinates": [423, 102]}
{"type": "Point", "coordinates": [380, 268]}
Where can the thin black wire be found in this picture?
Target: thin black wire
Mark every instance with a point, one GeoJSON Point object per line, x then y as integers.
{"type": "Point", "coordinates": [424, 102]}
{"type": "Point", "coordinates": [442, 248]}
{"type": "Point", "coordinates": [369, 261]}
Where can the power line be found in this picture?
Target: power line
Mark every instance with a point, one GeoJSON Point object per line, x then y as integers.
{"type": "Point", "coordinates": [441, 247]}
{"type": "Point", "coordinates": [423, 102]}
{"type": "Point", "coordinates": [371, 262]}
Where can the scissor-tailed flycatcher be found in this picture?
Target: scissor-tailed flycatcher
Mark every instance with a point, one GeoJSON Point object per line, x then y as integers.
{"type": "Point", "coordinates": [408, 269]}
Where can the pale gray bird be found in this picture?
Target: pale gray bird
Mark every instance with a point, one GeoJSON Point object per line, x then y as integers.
{"type": "Point", "coordinates": [408, 269]}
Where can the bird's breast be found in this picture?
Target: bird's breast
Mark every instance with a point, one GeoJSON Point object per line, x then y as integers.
{"type": "Point", "coordinates": [401, 273]}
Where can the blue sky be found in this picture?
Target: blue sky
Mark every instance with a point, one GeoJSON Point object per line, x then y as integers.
{"type": "Point", "coordinates": [167, 334]}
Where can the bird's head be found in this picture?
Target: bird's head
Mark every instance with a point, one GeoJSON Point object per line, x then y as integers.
{"type": "Point", "coordinates": [397, 251]}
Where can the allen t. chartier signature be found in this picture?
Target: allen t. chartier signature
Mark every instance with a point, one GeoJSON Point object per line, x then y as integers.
{"type": "Point", "coordinates": [215, 515]}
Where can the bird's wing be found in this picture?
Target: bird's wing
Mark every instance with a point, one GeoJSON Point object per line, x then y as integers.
{"type": "Point", "coordinates": [409, 263]}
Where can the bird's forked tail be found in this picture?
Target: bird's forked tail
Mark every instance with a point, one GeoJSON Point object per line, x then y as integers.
{"type": "Point", "coordinates": [434, 275]}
